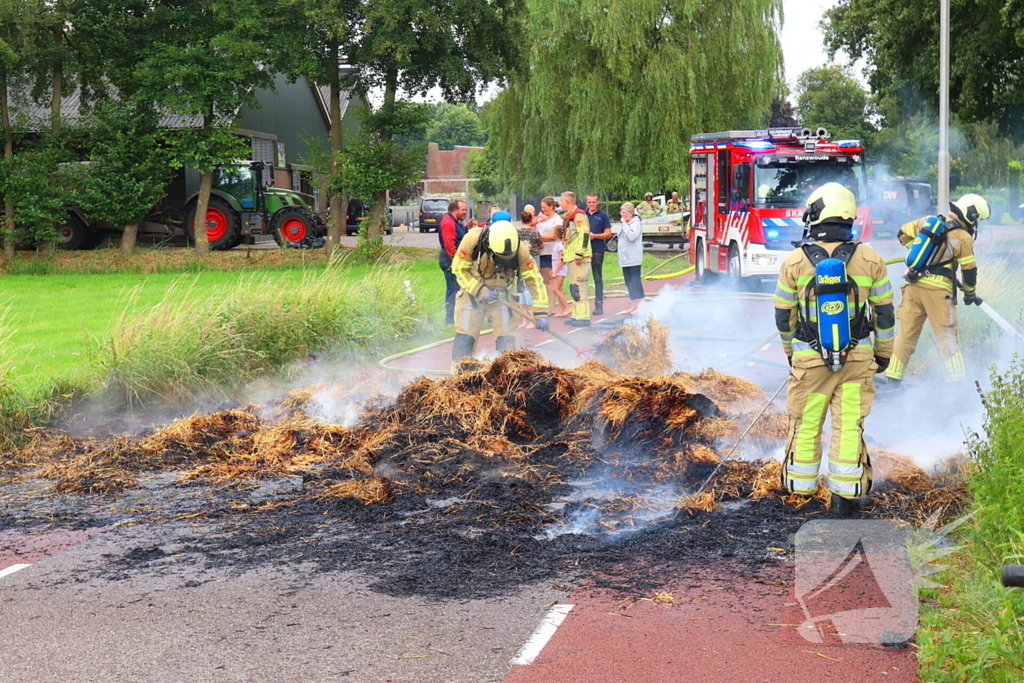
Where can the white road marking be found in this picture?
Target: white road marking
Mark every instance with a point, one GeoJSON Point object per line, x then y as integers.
{"type": "Point", "coordinates": [529, 652]}
{"type": "Point", "coordinates": [13, 568]}
{"type": "Point", "coordinates": [766, 347]}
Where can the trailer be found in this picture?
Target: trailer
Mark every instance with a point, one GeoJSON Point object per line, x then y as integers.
{"type": "Point", "coordinates": [747, 194]}
{"type": "Point", "coordinates": [665, 228]}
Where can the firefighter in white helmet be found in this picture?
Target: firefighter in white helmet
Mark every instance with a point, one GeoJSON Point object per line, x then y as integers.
{"type": "Point", "coordinates": [845, 384]}
{"type": "Point", "coordinates": [932, 296]}
{"type": "Point", "coordinates": [488, 265]}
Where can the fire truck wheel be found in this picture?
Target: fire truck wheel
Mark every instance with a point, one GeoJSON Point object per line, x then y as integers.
{"type": "Point", "coordinates": [735, 269]}
{"type": "Point", "coordinates": [700, 265]}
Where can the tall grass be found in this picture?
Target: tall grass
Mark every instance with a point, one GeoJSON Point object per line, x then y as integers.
{"type": "Point", "coordinates": [976, 634]}
{"type": "Point", "coordinates": [195, 342]}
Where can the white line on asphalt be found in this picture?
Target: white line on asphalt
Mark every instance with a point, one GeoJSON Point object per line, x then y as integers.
{"type": "Point", "coordinates": [13, 568]}
{"type": "Point", "coordinates": [766, 347]}
{"type": "Point", "coordinates": [542, 635]}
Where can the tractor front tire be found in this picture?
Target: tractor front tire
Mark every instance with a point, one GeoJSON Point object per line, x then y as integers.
{"type": "Point", "coordinates": [222, 224]}
{"type": "Point", "coordinates": [292, 225]}
{"type": "Point", "coordinates": [612, 245]}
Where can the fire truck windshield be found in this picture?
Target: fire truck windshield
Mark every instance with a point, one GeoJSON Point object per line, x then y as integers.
{"type": "Point", "coordinates": [787, 182]}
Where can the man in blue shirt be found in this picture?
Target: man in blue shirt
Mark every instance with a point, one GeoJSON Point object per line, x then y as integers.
{"type": "Point", "coordinates": [600, 233]}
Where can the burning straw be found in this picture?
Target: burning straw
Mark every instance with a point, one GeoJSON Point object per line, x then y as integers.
{"type": "Point", "coordinates": [504, 443]}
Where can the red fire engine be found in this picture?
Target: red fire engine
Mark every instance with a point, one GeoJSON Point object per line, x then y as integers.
{"type": "Point", "coordinates": [747, 192]}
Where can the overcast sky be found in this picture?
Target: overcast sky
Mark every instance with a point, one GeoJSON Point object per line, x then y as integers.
{"type": "Point", "coordinates": [802, 40]}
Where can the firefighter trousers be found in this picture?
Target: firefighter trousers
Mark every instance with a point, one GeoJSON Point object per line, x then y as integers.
{"type": "Point", "coordinates": [579, 290]}
{"type": "Point", "coordinates": [848, 393]}
{"type": "Point", "coordinates": [470, 314]}
{"type": "Point", "coordinates": [922, 303]}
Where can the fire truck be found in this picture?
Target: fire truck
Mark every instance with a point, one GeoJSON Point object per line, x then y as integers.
{"type": "Point", "coordinates": [747, 193]}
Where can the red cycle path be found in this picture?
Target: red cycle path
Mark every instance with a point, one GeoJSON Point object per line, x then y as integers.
{"type": "Point", "coordinates": [723, 627]}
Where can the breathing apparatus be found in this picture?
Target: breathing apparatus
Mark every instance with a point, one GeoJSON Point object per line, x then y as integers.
{"type": "Point", "coordinates": [829, 216]}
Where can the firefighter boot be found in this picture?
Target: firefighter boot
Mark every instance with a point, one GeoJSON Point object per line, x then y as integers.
{"type": "Point", "coordinates": [845, 508]}
{"type": "Point", "coordinates": [464, 345]}
{"type": "Point", "coordinates": [504, 343]}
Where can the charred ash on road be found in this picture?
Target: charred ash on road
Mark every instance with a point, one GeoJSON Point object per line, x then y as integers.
{"type": "Point", "coordinates": [507, 473]}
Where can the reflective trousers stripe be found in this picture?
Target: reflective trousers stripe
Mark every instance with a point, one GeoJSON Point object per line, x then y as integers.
{"type": "Point", "coordinates": [849, 436]}
{"type": "Point", "coordinates": [805, 450]}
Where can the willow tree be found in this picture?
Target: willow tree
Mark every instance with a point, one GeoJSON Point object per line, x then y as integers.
{"type": "Point", "coordinates": [609, 99]}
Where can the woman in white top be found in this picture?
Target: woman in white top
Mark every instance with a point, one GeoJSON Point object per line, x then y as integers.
{"type": "Point", "coordinates": [548, 223]}
{"type": "Point", "coordinates": [631, 255]}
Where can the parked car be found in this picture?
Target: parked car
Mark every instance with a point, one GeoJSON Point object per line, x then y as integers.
{"type": "Point", "coordinates": [432, 210]}
{"type": "Point", "coordinates": [359, 212]}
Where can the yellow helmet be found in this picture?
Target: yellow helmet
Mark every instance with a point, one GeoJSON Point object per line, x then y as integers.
{"type": "Point", "coordinates": [502, 239]}
{"type": "Point", "coordinates": [970, 209]}
{"type": "Point", "coordinates": [830, 202]}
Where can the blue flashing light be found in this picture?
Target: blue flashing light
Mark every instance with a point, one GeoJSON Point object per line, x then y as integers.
{"type": "Point", "coordinates": [772, 234]}
{"type": "Point", "coordinates": [856, 231]}
{"type": "Point", "coordinates": [848, 143]}
{"type": "Point", "coordinates": [756, 144]}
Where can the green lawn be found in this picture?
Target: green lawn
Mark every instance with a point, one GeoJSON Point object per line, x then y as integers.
{"type": "Point", "coordinates": [54, 320]}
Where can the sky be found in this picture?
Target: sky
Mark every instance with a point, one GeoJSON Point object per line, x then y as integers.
{"type": "Point", "coordinates": [802, 39]}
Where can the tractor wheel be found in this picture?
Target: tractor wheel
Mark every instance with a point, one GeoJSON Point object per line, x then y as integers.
{"type": "Point", "coordinates": [74, 234]}
{"type": "Point", "coordinates": [612, 245]}
{"type": "Point", "coordinates": [222, 224]}
{"type": "Point", "coordinates": [292, 225]}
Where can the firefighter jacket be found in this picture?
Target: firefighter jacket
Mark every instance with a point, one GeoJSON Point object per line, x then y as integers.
{"type": "Point", "coordinates": [673, 207]}
{"type": "Point", "coordinates": [576, 235]}
{"type": "Point", "coordinates": [795, 301]}
{"type": "Point", "coordinates": [476, 269]}
{"type": "Point", "coordinates": [648, 209]}
{"type": "Point", "coordinates": [956, 250]}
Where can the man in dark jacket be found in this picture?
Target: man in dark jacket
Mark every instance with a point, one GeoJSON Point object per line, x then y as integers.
{"type": "Point", "coordinates": [600, 231]}
{"type": "Point", "coordinates": [453, 229]}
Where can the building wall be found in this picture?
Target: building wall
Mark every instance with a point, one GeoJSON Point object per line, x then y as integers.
{"type": "Point", "coordinates": [292, 114]}
{"type": "Point", "coordinates": [443, 164]}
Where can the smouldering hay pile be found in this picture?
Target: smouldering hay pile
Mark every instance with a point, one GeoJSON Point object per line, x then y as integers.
{"type": "Point", "coordinates": [499, 444]}
{"type": "Point", "coordinates": [637, 350]}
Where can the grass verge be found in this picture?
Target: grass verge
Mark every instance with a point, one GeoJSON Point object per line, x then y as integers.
{"type": "Point", "coordinates": [975, 632]}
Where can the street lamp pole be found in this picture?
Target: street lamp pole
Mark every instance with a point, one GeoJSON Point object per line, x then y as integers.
{"type": "Point", "coordinates": [943, 105]}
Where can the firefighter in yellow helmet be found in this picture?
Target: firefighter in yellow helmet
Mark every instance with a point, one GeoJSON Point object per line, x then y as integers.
{"type": "Point", "coordinates": [930, 294]}
{"type": "Point", "coordinates": [488, 266]}
{"type": "Point", "coordinates": [820, 380]}
{"type": "Point", "coordinates": [648, 208]}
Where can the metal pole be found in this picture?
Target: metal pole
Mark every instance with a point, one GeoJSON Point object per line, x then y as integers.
{"type": "Point", "coordinates": [943, 106]}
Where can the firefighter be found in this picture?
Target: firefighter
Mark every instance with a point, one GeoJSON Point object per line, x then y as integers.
{"type": "Point", "coordinates": [932, 295]}
{"type": "Point", "coordinates": [488, 265]}
{"type": "Point", "coordinates": [674, 205]}
{"type": "Point", "coordinates": [648, 207]}
{"type": "Point", "coordinates": [845, 383]}
{"type": "Point", "coordinates": [577, 253]}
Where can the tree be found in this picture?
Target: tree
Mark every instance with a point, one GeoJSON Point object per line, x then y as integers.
{"type": "Point", "coordinates": [485, 164]}
{"type": "Point", "coordinates": [609, 100]}
{"type": "Point", "coordinates": [324, 29]}
{"type": "Point", "coordinates": [781, 114]}
{"type": "Point", "coordinates": [830, 97]}
{"type": "Point", "coordinates": [455, 124]}
{"type": "Point", "coordinates": [17, 26]}
{"type": "Point", "coordinates": [899, 39]}
{"type": "Point", "coordinates": [129, 165]}
{"type": "Point", "coordinates": [415, 45]}
{"type": "Point", "coordinates": [206, 60]}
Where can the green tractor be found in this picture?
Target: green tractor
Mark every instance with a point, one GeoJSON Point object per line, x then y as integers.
{"type": "Point", "coordinates": [241, 207]}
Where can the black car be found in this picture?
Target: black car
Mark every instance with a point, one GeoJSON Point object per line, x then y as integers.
{"type": "Point", "coordinates": [432, 210]}
{"type": "Point", "coordinates": [357, 212]}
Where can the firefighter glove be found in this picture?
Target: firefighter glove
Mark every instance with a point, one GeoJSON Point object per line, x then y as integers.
{"type": "Point", "coordinates": [973, 298]}
{"type": "Point", "coordinates": [882, 363]}
{"type": "Point", "coordinates": [490, 295]}
{"type": "Point", "coordinates": [543, 325]}
{"type": "Point", "coordinates": [574, 290]}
